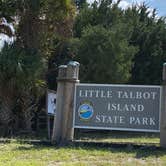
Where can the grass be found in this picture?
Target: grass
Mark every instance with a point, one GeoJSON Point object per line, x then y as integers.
{"type": "Point", "coordinates": [16, 152]}
{"type": "Point", "coordinates": [118, 137]}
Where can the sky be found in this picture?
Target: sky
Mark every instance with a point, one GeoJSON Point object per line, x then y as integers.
{"type": "Point", "coordinates": [160, 5]}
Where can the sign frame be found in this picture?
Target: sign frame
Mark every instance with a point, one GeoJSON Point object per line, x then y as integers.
{"type": "Point", "coordinates": [117, 128]}
{"type": "Point", "coordinates": [49, 115]}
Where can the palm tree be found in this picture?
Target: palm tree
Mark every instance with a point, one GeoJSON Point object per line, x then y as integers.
{"type": "Point", "coordinates": [19, 73]}
{"type": "Point", "coordinates": [39, 24]}
{"type": "Point", "coordinates": [6, 89]}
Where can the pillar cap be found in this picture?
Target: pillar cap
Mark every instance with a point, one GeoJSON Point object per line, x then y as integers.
{"type": "Point", "coordinates": [73, 63]}
{"type": "Point", "coordinates": [62, 66]}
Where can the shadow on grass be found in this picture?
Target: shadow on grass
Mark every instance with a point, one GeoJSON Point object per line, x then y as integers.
{"type": "Point", "coordinates": [83, 134]}
{"type": "Point", "coordinates": [140, 151]}
{"type": "Point", "coordinates": [92, 141]}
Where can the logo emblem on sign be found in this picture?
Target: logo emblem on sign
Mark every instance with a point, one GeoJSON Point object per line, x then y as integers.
{"type": "Point", "coordinates": [85, 111]}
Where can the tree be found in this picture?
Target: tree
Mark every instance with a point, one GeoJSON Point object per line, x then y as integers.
{"type": "Point", "coordinates": [80, 3]}
{"type": "Point", "coordinates": [38, 24]}
{"type": "Point", "coordinates": [104, 51]}
{"type": "Point", "coordinates": [19, 75]}
{"type": "Point", "coordinates": [140, 29]}
{"type": "Point", "coordinates": [148, 35]}
{"type": "Point", "coordinates": [105, 56]}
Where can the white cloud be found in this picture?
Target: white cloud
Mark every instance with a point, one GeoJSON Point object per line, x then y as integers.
{"type": "Point", "coordinates": [150, 10]}
{"type": "Point", "coordinates": [90, 1]}
{"type": "Point", "coordinates": [124, 4]}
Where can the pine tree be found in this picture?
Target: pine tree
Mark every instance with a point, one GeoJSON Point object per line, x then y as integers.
{"type": "Point", "coordinates": [104, 52]}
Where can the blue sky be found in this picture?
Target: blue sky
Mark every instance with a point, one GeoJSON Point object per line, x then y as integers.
{"type": "Point", "coordinates": [160, 5]}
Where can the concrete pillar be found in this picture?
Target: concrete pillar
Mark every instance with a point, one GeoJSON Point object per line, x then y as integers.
{"type": "Point", "coordinates": [63, 130]}
{"type": "Point", "coordinates": [163, 111]}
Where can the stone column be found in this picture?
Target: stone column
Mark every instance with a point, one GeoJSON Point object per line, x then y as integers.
{"type": "Point", "coordinates": [63, 130]}
{"type": "Point", "coordinates": [163, 111]}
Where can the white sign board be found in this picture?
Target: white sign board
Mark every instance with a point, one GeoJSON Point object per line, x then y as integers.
{"type": "Point", "coordinates": [51, 102]}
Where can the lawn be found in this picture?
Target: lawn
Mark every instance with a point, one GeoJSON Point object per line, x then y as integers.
{"type": "Point", "coordinates": [117, 137]}
{"type": "Point", "coordinates": [89, 149]}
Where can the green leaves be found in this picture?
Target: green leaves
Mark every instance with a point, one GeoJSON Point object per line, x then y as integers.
{"type": "Point", "coordinates": [20, 65]}
{"type": "Point", "coordinates": [120, 45]}
{"type": "Point", "coordinates": [149, 36]}
{"type": "Point", "coordinates": [105, 54]}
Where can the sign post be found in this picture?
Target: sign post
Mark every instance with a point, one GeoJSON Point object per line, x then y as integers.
{"type": "Point", "coordinates": [63, 130]}
{"type": "Point", "coordinates": [163, 111]}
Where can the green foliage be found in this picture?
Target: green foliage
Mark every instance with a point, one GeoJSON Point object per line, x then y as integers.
{"type": "Point", "coordinates": [103, 13]}
{"type": "Point", "coordinates": [20, 69]}
{"type": "Point", "coordinates": [144, 36]}
{"type": "Point", "coordinates": [20, 86]}
{"type": "Point", "coordinates": [43, 25]}
{"type": "Point", "coordinates": [43, 28]}
{"type": "Point", "coordinates": [57, 9]}
{"type": "Point", "coordinates": [149, 35]}
{"type": "Point", "coordinates": [80, 3]}
{"type": "Point", "coordinates": [7, 8]}
{"type": "Point", "coordinates": [55, 44]}
{"type": "Point", "coordinates": [38, 23]}
{"type": "Point", "coordinates": [105, 54]}
{"type": "Point", "coordinates": [60, 56]}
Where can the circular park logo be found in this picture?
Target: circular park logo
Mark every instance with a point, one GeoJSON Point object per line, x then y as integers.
{"type": "Point", "coordinates": [85, 111]}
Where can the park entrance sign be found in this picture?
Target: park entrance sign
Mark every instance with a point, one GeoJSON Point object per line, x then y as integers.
{"type": "Point", "coordinates": [117, 107]}
{"type": "Point", "coordinates": [101, 106]}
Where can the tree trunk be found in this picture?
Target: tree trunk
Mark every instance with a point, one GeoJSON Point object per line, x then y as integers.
{"type": "Point", "coordinates": [28, 105]}
{"type": "Point", "coordinates": [6, 116]}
